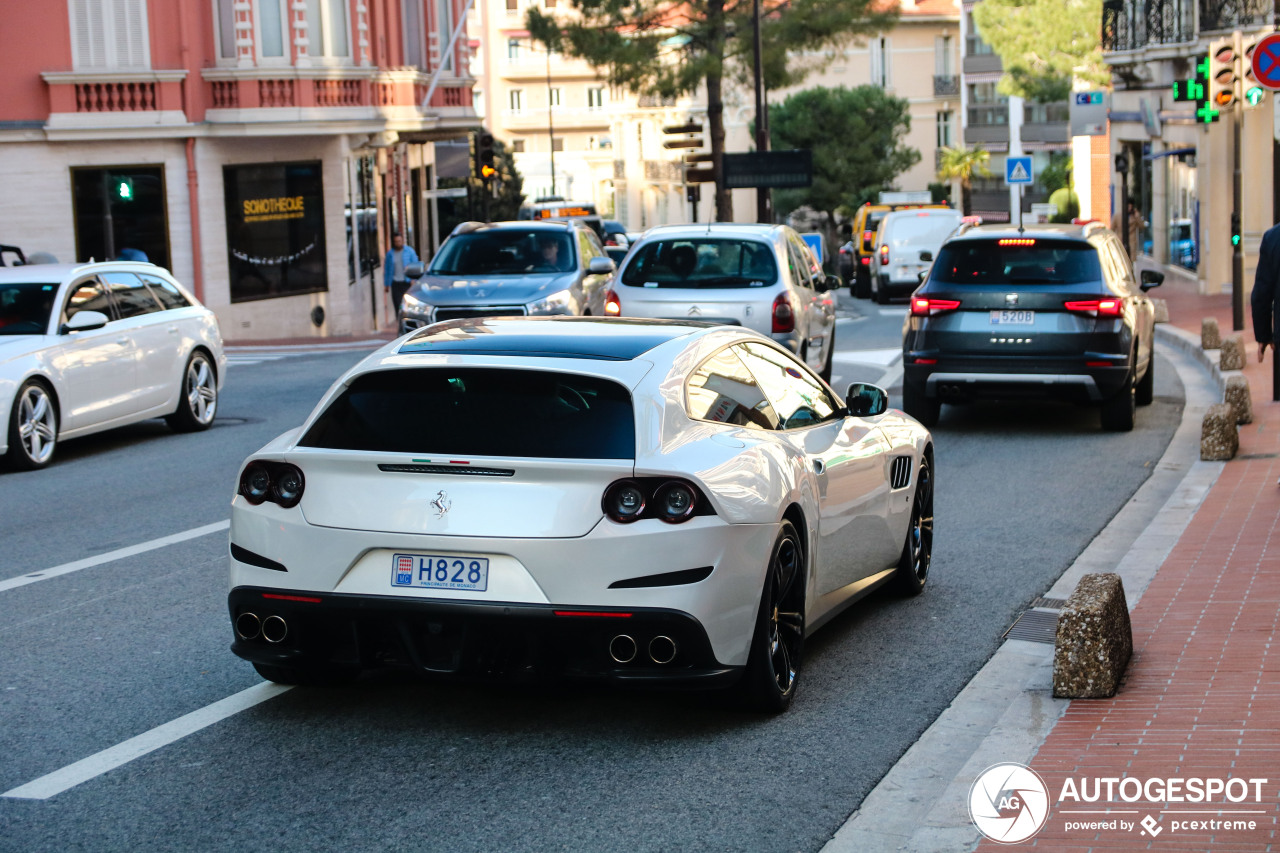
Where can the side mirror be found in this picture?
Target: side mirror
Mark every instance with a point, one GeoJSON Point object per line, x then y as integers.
{"type": "Point", "coordinates": [832, 282]}
{"type": "Point", "coordinates": [85, 321]}
{"type": "Point", "coordinates": [865, 400]}
{"type": "Point", "coordinates": [926, 256]}
{"type": "Point", "coordinates": [922, 275]}
{"type": "Point", "coordinates": [414, 271]}
{"type": "Point", "coordinates": [1150, 279]}
{"type": "Point", "coordinates": [601, 266]}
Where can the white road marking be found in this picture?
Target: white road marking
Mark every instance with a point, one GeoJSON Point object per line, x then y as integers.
{"type": "Point", "coordinates": [112, 556]}
{"type": "Point", "coordinates": [109, 759]}
{"type": "Point", "coordinates": [900, 311]}
{"type": "Point", "coordinates": [883, 357]}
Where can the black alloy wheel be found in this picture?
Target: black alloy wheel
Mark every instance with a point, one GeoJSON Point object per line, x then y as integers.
{"type": "Point", "coordinates": [197, 398]}
{"type": "Point", "coordinates": [33, 427]}
{"type": "Point", "coordinates": [917, 550]}
{"type": "Point", "coordinates": [777, 646]}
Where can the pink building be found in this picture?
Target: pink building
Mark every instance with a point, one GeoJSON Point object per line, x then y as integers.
{"type": "Point", "coordinates": [263, 150]}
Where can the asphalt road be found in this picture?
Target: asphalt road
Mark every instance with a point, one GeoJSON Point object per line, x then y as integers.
{"type": "Point", "coordinates": [92, 658]}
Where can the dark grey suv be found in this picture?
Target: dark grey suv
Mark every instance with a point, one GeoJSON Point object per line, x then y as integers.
{"type": "Point", "coordinates": [1049, 311]}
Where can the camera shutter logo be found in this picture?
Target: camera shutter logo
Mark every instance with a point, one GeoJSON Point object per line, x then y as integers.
{"type": "Point", "coordinates": [1009, 803]}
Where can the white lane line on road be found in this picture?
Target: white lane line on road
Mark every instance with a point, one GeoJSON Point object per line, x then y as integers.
{"type": "Point", "coordinates": [112, 556]}
{"type": "Point", "coordinates": [109, 759]}
{"type": "Point", "coordinates": [883, 357]}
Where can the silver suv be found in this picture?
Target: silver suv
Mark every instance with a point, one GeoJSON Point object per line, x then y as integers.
{"type": "Point", "coordinates": [499, 269]}
{"type": "Point", "coordinates": [763, 277]}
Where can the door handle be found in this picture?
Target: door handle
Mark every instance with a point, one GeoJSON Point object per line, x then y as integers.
{"type": "Point", "coordinates": [819, 467]}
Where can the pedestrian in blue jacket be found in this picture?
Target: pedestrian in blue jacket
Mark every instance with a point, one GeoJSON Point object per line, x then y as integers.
{"type": "Point", "coordinates": [394, 279]}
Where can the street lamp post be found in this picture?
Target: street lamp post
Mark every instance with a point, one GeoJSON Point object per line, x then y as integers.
{"type": "Point", "coordinates": [551, 132]}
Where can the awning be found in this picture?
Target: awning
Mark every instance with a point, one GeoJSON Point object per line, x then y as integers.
{"type": "Point", "coordinates": [1174, 152]}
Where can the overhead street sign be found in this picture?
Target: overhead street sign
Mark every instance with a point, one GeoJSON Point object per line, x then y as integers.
{"type": "Point", "coordinates": [776, 169]}
{"type": "Point", "coordinates": [1266, 62]}
{"type": "Point", "coordinates": [1017, 170]}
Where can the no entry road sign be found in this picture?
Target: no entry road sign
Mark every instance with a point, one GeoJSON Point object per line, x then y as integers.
{"type": "Point", "coordinates": [1266, 62]}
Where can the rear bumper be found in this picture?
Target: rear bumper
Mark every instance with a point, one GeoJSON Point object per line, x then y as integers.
{"type": "Point", "coordinates": [1069, 380]}
{"type": "Point", "coordinates": [461, 639]}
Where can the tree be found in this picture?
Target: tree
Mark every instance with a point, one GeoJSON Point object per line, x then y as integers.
{"type": "Point", "coordinates": [856, 139]}
{"type": "Point", "coordinates": [963, 165]}
{"type": "Point", "coordinates": [1043, 44]}
{"type": "Point", "coordinates": [669, 48]}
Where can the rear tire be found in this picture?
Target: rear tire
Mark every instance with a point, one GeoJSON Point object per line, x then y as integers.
{"type": "Point", "coordinates": [1145, 391]}
{"type": "Point", "coordinates": [861, 281]}
{"type": "Point", "coordinates": [917, 404]}
{"type": "Point", "coordinates": [33, 427]}
{"type": "Point", "coordinates": [198, 397]}
{"type": "Point", "coordinates": [881, 297]}
{"type": "Point", "coordinates": [777, 645]}
{"type": "Point", "coordinates": [917, 550]}
{"type": "Point", "coordinates": [825, 373]}
{"type": "Point", "coordinates": [1118, 411]}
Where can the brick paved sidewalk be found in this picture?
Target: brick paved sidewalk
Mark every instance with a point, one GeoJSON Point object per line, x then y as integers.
{"type": "Point", "coordinates": [1201, 697]}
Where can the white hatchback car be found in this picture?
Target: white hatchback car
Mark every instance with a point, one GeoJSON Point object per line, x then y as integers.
{"type": "Point", "coordinates": [762, 277]}
{"type": "Point", "coordinates": [906, 243]}
{"type": "Point", "coordinates": [89, 347]}
{"type": "Point", "coordinates": [633, 501]}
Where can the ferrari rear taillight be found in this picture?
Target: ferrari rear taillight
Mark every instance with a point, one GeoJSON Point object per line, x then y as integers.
{"type": "Point", "coordinates": [612, 305]}
{"type": "Point", "coordinates": [784, 315]}
{"type": "Point", "coordinates": [278, 482]}
{"type": "Point", "coordinates": [673, 501]}
{"type": "Point", "coordinates": [924, 306]}
{"type": "Point", "coordinates": [1096, 307]}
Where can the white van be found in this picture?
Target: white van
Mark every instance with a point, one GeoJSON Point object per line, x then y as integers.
{"type": "Point", "coordinates": [905, 245]}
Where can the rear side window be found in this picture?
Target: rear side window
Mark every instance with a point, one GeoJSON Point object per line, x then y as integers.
{"type": "Point", "coordinates": [132, 297]}
{"type": "Point", "coordinates": [480, 412]}
{"type": "Point", "coordinates": [1020, 261]}
{"type": "Point", "coordinates": [702, 263]}
{"type": "Point", "coordinates": [169, 296]}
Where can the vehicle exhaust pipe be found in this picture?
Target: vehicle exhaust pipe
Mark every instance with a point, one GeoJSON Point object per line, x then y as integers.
{"type": "Point", "coordinates": [662, 649]}
{"type": "Point", "coordinates": [274, 629]}
{"type": "Point", "coordinates": [248, 626]}
{"type": "Point", "coordinates": [622, 649]}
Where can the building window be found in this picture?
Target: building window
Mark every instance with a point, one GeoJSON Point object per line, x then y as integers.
{"type": "Point", "coordinates": [517, 146]}
{"type": "Point", "coordinates": [271, 27]}
{"type": "Point", "coordinates": [513, 6]}
{"type": "Point", "coordinates": [595, 98]}
{"type": "Point", "coordinates": [412, 17]}
{"type": "Point", "coordinates": [275, 230]}
{"type": "Point", "coordinates": [111, 34]}
{"type": "Point", "coordinates": [515, 100]}
{"type": "Point", "coordinates": [553, 96]}
{"type": "Point", "coordinates": [880, 62]}
{"type": "Point", "coordinates": [444, 17]}
{"type": "Point", "coordinates": [327, 28]}
{"type": "Point", "coordinates": [946, 129]}
{"type": "Point", "coordinates": [944, 64]}
{"type": "Point", "coordinates": [513, 49]}
{"type": "Point", "coordinates": [557, 143]}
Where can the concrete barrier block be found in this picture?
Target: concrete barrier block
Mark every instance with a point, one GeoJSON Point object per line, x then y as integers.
{"type": "Point", "coordinates": [1231, 356]}
{"type": "Point", "coordinates": [1219, 439]}
{"type": "Point", "coordinates": [1094, 640]}
{"type": "Point", "coordinates": [1237, 396]}
{"type": "Point", "coordinates": [1210, 337]}
{"type": "Point", "coordinates": [1161, 310]}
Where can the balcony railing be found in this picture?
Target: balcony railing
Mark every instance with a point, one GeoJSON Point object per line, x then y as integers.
{"type": "Point", "coordinates": [945, 84]}
{"type": "Point", "coordinates": [990, 115]}
{"type": "Point", "coordinates": [1230, 14]}
{"type": "Point", "coordinates": [1057, 113]}
{"type": "Point", "coordinates": [1134, 24]}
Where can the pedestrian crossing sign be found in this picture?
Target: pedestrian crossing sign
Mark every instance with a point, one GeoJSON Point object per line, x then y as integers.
{"type": "Point", "coordinates": [1017, 170]}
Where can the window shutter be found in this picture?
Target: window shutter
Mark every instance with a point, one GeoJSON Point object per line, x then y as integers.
{"type": "Point", "coordinates": [88, 39]}
{"type": "Point", "coordinates": [877, 62]}
{"type": "Point", "coordinates": [129, 23]}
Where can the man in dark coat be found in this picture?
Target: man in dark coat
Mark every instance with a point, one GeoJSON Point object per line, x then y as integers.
{"type": "Point", "coordinates": [1266, 290]}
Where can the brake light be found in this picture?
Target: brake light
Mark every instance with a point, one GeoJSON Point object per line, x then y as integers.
{"type": "Point", "coordinates": [866, 262]}
{"type": "Point", "coordinates": [612, 305]}
{"type": "Point", "coordinates": [923, 306]}
{"type": "Point", "coordinates": [1016, 241]}
{"type": "Point", "coordinates": [884, 254]}
{"type": "Point", "coordinates": [784, 316]}
{"type": "Point", "coordinates": [867, 236]}
{"type": "Point", "coordinates": [1096, 307]}
{"type": "Point", "coordinates": [673, 501]}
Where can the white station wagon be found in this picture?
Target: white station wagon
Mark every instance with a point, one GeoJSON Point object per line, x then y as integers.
{"type": "Point", "coordinates": [89, 347]}
{"type": "Point", "coordinates": [621, 500]}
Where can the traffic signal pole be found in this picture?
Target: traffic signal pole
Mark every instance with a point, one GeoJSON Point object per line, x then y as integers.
{"type": "Point", "coordinates": [1237, 250]}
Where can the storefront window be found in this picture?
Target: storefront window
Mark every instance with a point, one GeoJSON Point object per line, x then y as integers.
{"type": "Point", "coordinates": [275, 230]}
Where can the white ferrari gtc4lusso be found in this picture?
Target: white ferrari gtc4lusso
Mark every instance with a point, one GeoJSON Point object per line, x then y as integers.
{"type": "Point", "coordinates": [631, 501]}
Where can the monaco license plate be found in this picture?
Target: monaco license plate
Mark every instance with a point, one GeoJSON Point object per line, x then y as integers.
{"type": "Point", "coordinates": [436, 571]}
{"type": "Point", "coordinates": [1013, 318]}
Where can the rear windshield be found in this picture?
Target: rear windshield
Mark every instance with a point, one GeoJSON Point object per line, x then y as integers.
{"type": "Point", "coordinates": [510, 251]}
{"type": "Point", "coordinates": [701, 263]}
{"type": "Point", "coordinates": [1029, 261]}
{"type": "Point", "coordinates": [25, 307]}
{"type": "Point", "coordinates": [916, 229]}
{"type": "Point", "coordinates": [480, 412]}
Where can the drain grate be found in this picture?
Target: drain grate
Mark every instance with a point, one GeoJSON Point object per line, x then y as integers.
{"type": "Point", "coordinates": [1038, 626]}
{"type": "Point", "coordinates": [1049, 603]}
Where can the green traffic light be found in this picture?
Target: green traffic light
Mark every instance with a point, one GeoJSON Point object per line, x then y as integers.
{"type": "Point", "coordinates": [125, 190]}
{"type": "Point", "coordinates": [1253, 95]}
{"type": "Point", "coordinates": [1235, 239]}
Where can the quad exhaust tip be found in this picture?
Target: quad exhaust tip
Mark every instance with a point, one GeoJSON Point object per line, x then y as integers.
{"type": "Point", "coordinates": [274, 629]}
{"type": "Point", "coordinates": [662, 649]}
{"type": "Point", "coordinates": [248, 626]}
{"type": "Point", "coordinates": [622, 648]}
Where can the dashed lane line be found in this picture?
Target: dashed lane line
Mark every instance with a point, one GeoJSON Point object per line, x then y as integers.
{"type": "Point", "coordinates": [112, 556]}
{"type": "Point", "coordinates": [52, 784]}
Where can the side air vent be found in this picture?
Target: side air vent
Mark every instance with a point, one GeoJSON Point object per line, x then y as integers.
{"type": "Point", "coordinates": [900, 472]}
{"type": "Point", "coordinates": [463, 470]}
